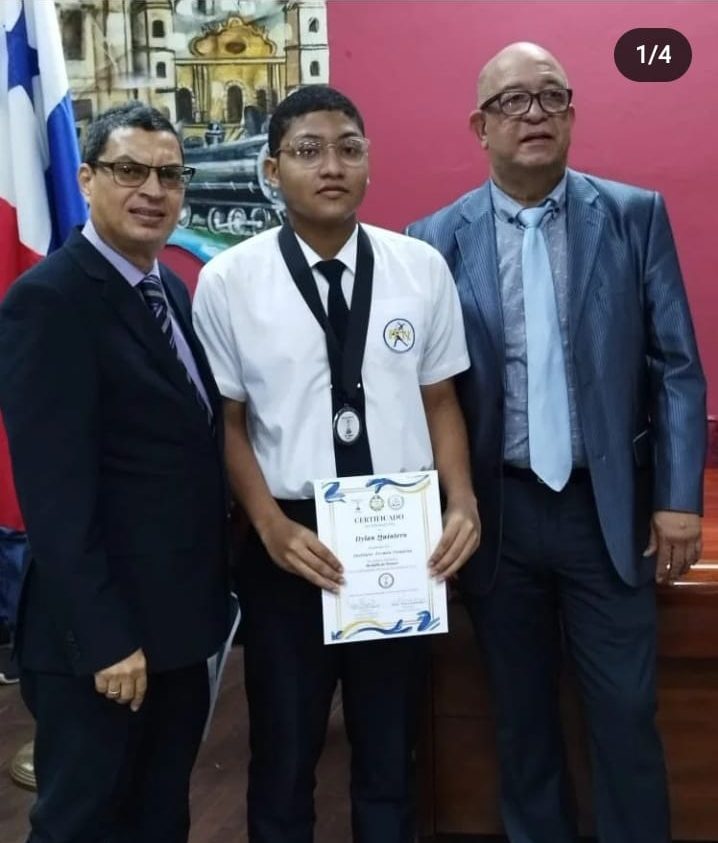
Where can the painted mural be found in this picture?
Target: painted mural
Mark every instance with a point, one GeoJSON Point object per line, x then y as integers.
{"type": "Point", "coordinates": [216, 69]}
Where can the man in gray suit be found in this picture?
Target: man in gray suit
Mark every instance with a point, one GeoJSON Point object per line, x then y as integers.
{"type": "Point", "coordinates": [585, 406]}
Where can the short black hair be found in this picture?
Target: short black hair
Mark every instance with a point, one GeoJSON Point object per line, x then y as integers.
{"type": "Point", "coordinates": [134, 115]}
{"type": "Point", "coordinates": [304, 101]}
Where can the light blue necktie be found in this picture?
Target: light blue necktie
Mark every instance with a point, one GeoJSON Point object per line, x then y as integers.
{"type": "Point", "coordinates": [548, 414]}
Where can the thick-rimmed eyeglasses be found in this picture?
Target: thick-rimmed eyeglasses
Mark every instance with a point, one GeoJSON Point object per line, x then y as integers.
{"type": "Point", "coordinates": [518, 103]}
{"type": "Point", "coordinates": [311, 152]}
{"type": "Point", "coordinates": [134, 174]}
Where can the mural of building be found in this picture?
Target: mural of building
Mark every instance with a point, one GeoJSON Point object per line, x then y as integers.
{"type": "Point", "coordinates": [233, 75]}
{"type": "Point", "coordinates": [216, 68]}
{"type": "Point", "coordinates": [307, 54]}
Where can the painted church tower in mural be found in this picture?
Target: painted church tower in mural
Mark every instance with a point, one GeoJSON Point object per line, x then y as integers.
{"type": "Point", "coordinates": [153, 59]}
{"type": "Point", "coordinates": [211, 66]}
{"type": "Point", "coordinates": [307, 47]}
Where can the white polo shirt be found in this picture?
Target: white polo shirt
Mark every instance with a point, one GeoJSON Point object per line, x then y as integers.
{"type": "Point", "coordinates": [268, 351]}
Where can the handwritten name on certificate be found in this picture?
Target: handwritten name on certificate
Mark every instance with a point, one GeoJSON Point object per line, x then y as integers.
{"type": "Point", "coordinates": [383, 529]}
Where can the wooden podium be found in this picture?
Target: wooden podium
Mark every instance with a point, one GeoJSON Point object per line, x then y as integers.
{"type": "Point", "coordinates": [457, 757]}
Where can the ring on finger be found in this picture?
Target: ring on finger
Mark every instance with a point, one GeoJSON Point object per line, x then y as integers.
{"type": "Point", "coordinates": [114, 693]}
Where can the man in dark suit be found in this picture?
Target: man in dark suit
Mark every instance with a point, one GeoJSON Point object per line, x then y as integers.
{"type": "Point", "coordinates": [585, 406]}
{"type": "Point", "coordinates": [114, 426]}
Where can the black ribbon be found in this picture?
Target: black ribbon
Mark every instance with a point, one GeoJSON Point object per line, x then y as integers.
{"type": "Point", "coordinates": [345, 363]}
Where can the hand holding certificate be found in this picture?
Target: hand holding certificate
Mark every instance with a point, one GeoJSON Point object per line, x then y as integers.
{"type": "Point", "coordinates": [383, 529]}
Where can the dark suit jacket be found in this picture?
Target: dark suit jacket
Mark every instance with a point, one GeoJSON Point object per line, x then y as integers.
{"type": "Point", "coordinates": [640, 387]}
{"type": "Point", "coordinates": [118, 472]}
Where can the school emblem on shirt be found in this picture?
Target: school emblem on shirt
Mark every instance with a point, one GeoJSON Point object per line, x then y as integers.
{"type": "Point", "coordinates": [399, 335]}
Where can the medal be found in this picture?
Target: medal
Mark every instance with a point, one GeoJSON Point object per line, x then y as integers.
{"type": "Point", "coordinates": [347, 425]}
{"type": "Point", "coordinates": [351, 447]}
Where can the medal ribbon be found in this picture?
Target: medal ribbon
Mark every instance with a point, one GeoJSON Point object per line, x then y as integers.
{"type": "Point", "coordinates": [345, 363]}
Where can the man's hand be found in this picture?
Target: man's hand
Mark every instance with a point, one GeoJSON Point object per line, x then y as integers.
{"type": "Point", "coordinates": [676, 540]}
{"type": "Point", "coordinates": [461, 536]}
{"type": "Point", "coordinates": [298, 551]}
{"type": "Point", "coordinates": [124, 682]}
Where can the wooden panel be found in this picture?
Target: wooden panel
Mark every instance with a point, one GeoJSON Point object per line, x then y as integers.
{"type": "Point", "coordinates": [688, 703]}
{"type": "Point", "coordinates": [466, 783]}
{"type": "Point", "coordinates": [688, 615]}
{"type": "Point", "coordinates": [464, 774]}
{"type": "Point", "coordinates": [688, 619]}
{"type": "Point", "coordinates": [710, 521]}
{"type": "Point", "coordinates": [460, 769]}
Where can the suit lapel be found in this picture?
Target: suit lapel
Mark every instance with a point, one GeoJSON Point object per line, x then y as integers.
{"type": "Point", "coordinates": [477, 244]}
{"type": "Point", "coordinates": [128, 305]}
{"type": "Point", "coordinates": [584, 229]}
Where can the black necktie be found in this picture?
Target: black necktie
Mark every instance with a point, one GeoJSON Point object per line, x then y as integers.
{"type": "Point", "coordinates": [337, 310]}
{"type": "Point", "coordinates": [354, 459]}
{"type": "Point", "coordinates": [154, 295]}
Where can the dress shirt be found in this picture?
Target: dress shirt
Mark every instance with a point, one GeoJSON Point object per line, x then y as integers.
{"type": "Point", "coordinates": [509, 239]}
{"type": "Point", "coordinates": [267, 350]}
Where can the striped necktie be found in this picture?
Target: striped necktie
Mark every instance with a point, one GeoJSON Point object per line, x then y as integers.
{"type": "Point", "coordinates": [154, 295]}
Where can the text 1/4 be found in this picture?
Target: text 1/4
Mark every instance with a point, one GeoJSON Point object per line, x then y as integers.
{"type": "Point", "coordinates": [654, 55]}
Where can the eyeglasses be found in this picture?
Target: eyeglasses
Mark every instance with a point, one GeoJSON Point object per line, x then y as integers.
{"type": "Point", "coordinates": [311, 152]}
{"type": "Point", "coordinates": [134, 174]}
{"type": "Point", "coordinates": [518, 103]}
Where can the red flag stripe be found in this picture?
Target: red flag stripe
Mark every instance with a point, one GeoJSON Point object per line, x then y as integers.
{"type": "Point", "coordinates": [15, 257]}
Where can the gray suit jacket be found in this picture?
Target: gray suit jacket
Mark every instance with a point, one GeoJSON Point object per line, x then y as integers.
{"type": "Point", "coordinates": [640, 386]}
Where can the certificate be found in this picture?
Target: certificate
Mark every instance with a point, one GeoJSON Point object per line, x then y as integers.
{"type": "Point", "coordinates": [383, 530]}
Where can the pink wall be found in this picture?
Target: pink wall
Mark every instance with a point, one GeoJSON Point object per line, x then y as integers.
{"type": "Point", "coordinates": [412, 66]}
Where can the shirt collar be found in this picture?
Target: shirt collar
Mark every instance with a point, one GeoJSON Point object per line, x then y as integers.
{"type": "Point", "coordinates": [507, 208]}
{"type": "Point", "coordinates": [347, 254]}
{"type": "Point", "coordinates": [131, 273]}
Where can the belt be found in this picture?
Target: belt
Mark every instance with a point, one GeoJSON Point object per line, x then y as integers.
{"type": "Point", "coordinates": [578, 475]}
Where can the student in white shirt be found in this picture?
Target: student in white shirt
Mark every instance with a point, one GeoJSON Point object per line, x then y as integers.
{"type": "Point", "coordinates": [290, 421]}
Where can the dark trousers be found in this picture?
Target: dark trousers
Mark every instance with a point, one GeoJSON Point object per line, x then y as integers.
{"type": "Point", "coordinates": [106, 774]}
{"type": "Point", "coordinates": [290, 679]}
{"type": "Point", "coordinates": [556, 586]}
